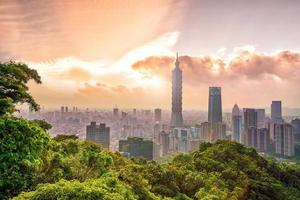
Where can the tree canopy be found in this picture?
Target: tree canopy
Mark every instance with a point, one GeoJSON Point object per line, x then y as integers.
{"type": "Point", "coordinates": [13, 89]}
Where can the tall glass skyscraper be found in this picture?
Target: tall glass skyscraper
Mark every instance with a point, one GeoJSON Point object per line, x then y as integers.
{"type": "Point", "coordinates": [215, 105]}
{"type": "Point", "coordinates": [176, 118]}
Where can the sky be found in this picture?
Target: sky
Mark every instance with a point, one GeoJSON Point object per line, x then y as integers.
{"type": "Point", "coordinates": [102, 53]}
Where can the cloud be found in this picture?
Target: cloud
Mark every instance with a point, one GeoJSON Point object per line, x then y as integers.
{"type": "Point", "coordinates": [245, 64]}
{"type": "Point", "coordinates": [245, 75]}
{"type": "Point", "coordinates": [43, 30]}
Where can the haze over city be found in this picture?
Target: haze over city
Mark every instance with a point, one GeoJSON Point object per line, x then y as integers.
{"type": "Point", "coordinates": [102, 53]}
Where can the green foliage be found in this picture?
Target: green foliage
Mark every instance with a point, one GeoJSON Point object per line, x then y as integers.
{"type": "Point", "coordinates": [73, 159]}
{"type": "Point", "coordinates": [107, 188]}
{"type": "Point", "coordinates": [6, 106]}
{"type": "Point", "coordinates": [13, 79]}
{"type": "Point", "coordinates": [43, 124]}
{"type": "Point", "coordinates": [73, 169]}
{"type": "Point", "coordinates": [60, 138]}
{"type": "Point", "coordinates": [21, 146]}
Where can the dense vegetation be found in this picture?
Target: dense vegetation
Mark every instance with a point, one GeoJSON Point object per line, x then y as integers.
{"type": "Point", "coordinates": [35, 166]}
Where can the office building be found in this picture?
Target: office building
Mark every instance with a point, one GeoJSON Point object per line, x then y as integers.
{"type": "Point", "coordinates": [206, 132]}
{"type": "Point", "coordinates": [214, 105]}
{"type": "Point", "coordinates": [164, 142]}
{"type": "Point", "coordinates": [99, 134]}
{"type": "Point", "coordinates": [157, 115]}
{"type": "Point", "coordinates": [62, 110]}
{"type": "Point", "coordinates": [218, 131]}
{"type": "Point", "coordinates": [176, 117]}
{"type": "Point", "coordinates": [236, 124]}
{"type": "Point", "coordinates": [182, 135]}
{"type": "Point", "coordinates": [263, 140]}
{"type": "Point", "coordinates": [296, 129]}
{"type": "Point", "coordinates": [276, 113]}
{"type": "Point", "coordinates": [116, 112]}
{"type": "Point", "coordinates": [249, 126]}
{"type": "Point", "coordinates": [284, 140]}
{"type": "Point", "coordinates": [137, 147]}
{"type": "Point", "coordinates": [134, 111]}
{"type": "Point", "coordinates": [260, 118]}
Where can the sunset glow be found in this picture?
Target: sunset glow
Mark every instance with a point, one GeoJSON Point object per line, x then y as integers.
{"type": "Point", "coordinates": [103, 47]}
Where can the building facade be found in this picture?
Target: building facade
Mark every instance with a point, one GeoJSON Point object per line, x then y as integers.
{"type": "Point", "coordinates": [284, 140]}
{"type": "Point", "coordinates": [137, 147]}
{"type": "Point", "coordinates": [99, 134]}
{"type": "Point", "coordinates": [260, 118]}
{"type": "Point", "coordinates": [157, 115]}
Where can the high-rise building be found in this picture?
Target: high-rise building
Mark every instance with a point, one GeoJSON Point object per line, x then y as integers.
{"type": "Point", "coordinates": [215, 105]}
{"type": "Point", "coordinates": [98, 133]}
{"type": "Point", "coordinates": [134, 111]}
{"type": "Point", "coordinates": [206, 132]}
{"type": "Point", "coordinates": [276, 113]}
{"type": "Point", "coordinates": [249, 126]}
{"type": "Point", "coordinates": [218, 131]}
{"type": "Point", "coordinates": [156, 131]}
{"type": "Point", "coordinates": [176, 117]}
{"type": "Point", "coordinates": [263, 139]}
{"type": "Point", "coordinates": [251, 137]}
{"type": "Point", "coordinates": [157, 115]}
{"type": "Point", "coordinates": [137, 147]}
{"type": "Point", "coordinates": [164, 142]}
{"type": "Point", "coordinates": [66, 109]}
{"type": "Point", "coordinates": [250, 118]}
{"type": "Point", "coordinates": [182, 135]}
{"type": "Point", "coordinates": [284, 140]}
{"type": "Point", "coordinates": [62, 110]}
{"type": "Point", "coordinates": [236, 124]}
{"type": "Point", "coordinates": [260, 118]}
{"type": "Point", "coordinates": [296, 128]}
{"type": "Point", "coordinates": [116, 112]}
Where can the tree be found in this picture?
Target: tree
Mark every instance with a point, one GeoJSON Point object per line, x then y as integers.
{"type": "Point", "coordinates": [43, 124]}
{"type": "Point", "coordinates": [21, 145]}
{"type": "Point", "coordinates": [13, 89]}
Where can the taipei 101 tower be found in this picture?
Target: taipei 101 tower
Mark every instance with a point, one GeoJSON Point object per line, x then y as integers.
{"type": "Point", "coordinates": [176, 118]}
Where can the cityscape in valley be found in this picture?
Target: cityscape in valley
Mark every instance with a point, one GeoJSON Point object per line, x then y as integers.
{"type": "Point", "coordinates": [156, 133]}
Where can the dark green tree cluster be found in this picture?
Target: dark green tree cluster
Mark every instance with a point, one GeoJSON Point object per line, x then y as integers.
{"type": "Point", "coordinates": [35, 166]}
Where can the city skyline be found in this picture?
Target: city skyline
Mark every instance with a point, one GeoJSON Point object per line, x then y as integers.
{"type": "Point", "coordinates": [88, 64]}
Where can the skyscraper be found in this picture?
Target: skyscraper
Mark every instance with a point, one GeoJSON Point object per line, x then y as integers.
{"type": "Point", "coordinates": [99, 134]}
{"type": "Point", "coordinates": [176, 117]}
{"type": "Point", "coordinates": [236, 124]}
{"type": "Point", "coordinates": [284, 140]}
{"type": "Point", "coordinates": [296, 128]}
{"type": "Point", "coordinates": [250, 126]}
{"type": "Point", "coordinates": [164, 141]}
{"type": "Point", "coordinates": [215, 105]}
{"type": "Point", "coordinates": [260, 118]}
{"type": "Point", "coordinates": [276, 113]}
{"type": "Point", "coordinates": [116, 112]}
{"type": "Point", "coordinates": [157, 115]}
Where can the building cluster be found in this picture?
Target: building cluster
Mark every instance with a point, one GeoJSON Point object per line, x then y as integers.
{"type": "Point", "coordinates": [251, 127]}
{"type": "Point", "coordinates": [155, 133]}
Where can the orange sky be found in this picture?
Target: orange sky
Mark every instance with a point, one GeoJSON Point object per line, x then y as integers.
{"type": "Point", "coordinates": [102, 53]}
